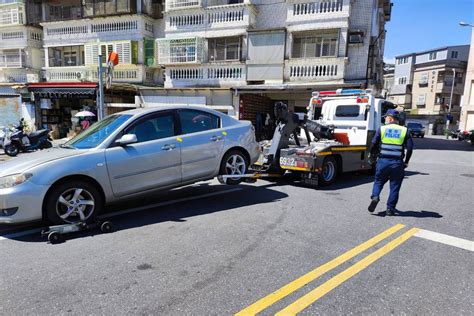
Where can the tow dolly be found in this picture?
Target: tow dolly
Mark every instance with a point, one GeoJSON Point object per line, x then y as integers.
{"type": "Point", "coordinates": [56, 233]}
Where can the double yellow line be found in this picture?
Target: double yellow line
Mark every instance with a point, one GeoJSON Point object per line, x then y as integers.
{"type": "Point", "coordinates": [332, 283]}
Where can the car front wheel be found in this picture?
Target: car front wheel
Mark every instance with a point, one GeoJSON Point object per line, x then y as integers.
{"type": "Point", "coordinates": [233, 164]}
{"type": "Point", "coordinates": [72, 202]}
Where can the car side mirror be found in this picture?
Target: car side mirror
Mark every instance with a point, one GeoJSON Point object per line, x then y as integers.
{"type": "Point", "coordinates": [127, 139]}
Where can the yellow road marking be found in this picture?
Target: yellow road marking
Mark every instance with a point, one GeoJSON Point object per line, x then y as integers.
{"type": "Point", "coordinates": [286, 290]}
{"type": "Point", "coordinates": [345, 275]}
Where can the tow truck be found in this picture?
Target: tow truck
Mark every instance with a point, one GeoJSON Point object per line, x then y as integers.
{"type": "Point", "coordinates": [333, 137]}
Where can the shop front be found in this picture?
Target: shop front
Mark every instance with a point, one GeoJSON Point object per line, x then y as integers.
{"type": "Point", "coordinates": [58, 103]}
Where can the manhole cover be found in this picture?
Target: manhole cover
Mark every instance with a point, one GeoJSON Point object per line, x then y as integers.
{"type": "Point", "coordinates": [469, 175]}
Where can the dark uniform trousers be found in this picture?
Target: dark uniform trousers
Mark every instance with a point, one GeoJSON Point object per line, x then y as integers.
{"type": "Point", "coordinates": [386, 169]}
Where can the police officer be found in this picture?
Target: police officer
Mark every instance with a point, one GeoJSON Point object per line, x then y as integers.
{"type": "Point", "coordinates": [389, 144]}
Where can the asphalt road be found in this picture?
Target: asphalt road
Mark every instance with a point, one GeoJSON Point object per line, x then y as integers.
{"type": "Point", "coordinates": [210, 249]}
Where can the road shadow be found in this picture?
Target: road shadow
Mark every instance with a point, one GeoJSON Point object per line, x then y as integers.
{"type": "Point", "coordinates": [179, 212]}
{"type": "Point", "coordinates": [441, 144]}
{"type": "Point", "coordinates": [417, 214]}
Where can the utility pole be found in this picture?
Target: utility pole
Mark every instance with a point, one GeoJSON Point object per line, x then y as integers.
{"type": "Point", "coordinates": [100, 106]}
{"type": "Point", "coordinates": [450, 99]}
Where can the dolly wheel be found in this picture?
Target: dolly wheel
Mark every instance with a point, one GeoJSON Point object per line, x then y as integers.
{"type": "Point", "coordinates": [106, 227]}
{"type": "Point", "coordinates": [54, 237]}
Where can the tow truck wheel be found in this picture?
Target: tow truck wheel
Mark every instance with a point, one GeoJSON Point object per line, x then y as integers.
{"type": "Point", "coordinates": [329, 173]}
{"type": "Point", "coordinates": [234, 163]}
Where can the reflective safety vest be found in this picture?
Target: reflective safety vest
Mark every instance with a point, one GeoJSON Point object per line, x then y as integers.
{"type": "Point", "coordinates": [393, 137]}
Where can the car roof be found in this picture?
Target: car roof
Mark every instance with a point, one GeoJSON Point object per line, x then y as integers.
{"type": "Point", "coordinates": [142, 111]}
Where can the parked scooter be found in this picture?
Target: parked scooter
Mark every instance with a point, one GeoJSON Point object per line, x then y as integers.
{"type": "Point", "coordinates": [20, 141]}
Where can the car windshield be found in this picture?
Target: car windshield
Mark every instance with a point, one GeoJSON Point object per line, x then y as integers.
{"type": "Point", "coordinates": [414, 125]}
{"type": "Point", "coordinates": [97, 133]}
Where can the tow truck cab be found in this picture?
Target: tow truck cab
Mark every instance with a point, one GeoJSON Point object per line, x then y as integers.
{"type": "Point", "coordinates": [355, 116]}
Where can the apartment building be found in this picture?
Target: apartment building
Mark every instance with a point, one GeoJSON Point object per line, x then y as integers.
{"type": "Point", "coordinates": [21, 57]}
{"type": "Point", "coordinates": [241, 56]}
{"type": "Point", "coordinates": [466, 121]}
{"type": "Point", "coordinates": [424, 81]}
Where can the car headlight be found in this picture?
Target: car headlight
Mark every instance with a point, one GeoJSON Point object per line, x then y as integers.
{"type": "Point", "coordinates": [14, 179]}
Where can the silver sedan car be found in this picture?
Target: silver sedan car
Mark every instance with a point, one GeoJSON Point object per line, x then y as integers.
{"type": "Point", "coordinates": [125, 155]}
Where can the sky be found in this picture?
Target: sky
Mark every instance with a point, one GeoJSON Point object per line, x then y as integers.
{"type": "Point", "coordinates": [418, 25]}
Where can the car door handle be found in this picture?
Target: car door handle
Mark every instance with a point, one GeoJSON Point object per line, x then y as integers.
{"type": "Point", "coordinates": [215, 138]}
{"type": "Point", "coordinates": [168, 147]}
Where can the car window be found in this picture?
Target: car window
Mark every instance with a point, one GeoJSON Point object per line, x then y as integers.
{"type": "Point", "coordinates": [414, 125]}
{"type": "Point", "coordinates": [156, 127]}
{"type": "Point", "coordinates": [98, 132]}
{"type": "Point", "coordinates": [348, 111]}
{"type": "Point", "coordinates": [193, 121]}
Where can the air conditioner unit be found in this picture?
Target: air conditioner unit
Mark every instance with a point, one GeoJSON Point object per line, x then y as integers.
{"type": "Point", "coordinates": [32, 78]}
{"type": "Point", "coordinates": [356, 37]}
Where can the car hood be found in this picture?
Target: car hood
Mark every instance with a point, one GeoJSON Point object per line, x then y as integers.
{"type": "Point", "coordinates": [27, 161]}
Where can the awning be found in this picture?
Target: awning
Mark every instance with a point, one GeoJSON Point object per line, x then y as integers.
{"type": "Point", "coordinates": [8, 92]}
{"type": "Point", "coordinates": [63, 90]}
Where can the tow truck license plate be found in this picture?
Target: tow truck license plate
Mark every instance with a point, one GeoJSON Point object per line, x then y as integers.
{"type": "Point", "coordinates": [291, 162]}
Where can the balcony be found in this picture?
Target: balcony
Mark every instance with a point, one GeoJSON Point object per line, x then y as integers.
{"type": "Point", "coordinates": [180, 51]}
{"type": "Point", "coordinates": [12, 13]}
{"type": "Point", "coordinates": [110, 28]}
{"type": "Point", "coordinates": [207, 75]}
{"type": "Point", "coordinates": [18, 76]}
{"type": "Point", "coordinates": [315, 69]}
{"type": "Point", "coordinates": [312, 11]}
{"type": "Point", "coordinates": [212, 18]}
{"type": "Point", "coordinates": [12, 59]}
{"type": "Point", "coordinates": [122, 74]}
{"type": "Point", "coordinates": [21, 37]}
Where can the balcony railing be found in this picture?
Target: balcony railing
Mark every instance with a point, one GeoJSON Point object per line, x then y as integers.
{"type": "Point", "coordinates": [182, 4]}
{"type": "Point", "coordinates": [124, 74]}
{"type": "Point", "coordinates": [12, 60]}
{"type": "Point", "coordinates": [88, 30]}
{"type": "Point", "coordinates": [301, 10]}
{"type": "Point", "coordinates": [206, 75]}
{"type": "Point", "coordinates": [238, 15]}
{"type": "Point", "coordinates": [317, 69]}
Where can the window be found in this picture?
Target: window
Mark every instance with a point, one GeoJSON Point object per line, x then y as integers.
{"type": "Point", "coordinates": [402, 80]}
{"type": "Point", "coordinates": [153, 128]}
{"type": "Point", "coordinates": [424, 79]}
{"type": "Point", "coordinates": [433, 55]}
{"type": "Point", "coordinates": [98, 132]}
{"type": "Point", "coordinates": [66, 56]}
{"type": "Point", "coordinates": [224, 48]}
{"type": "Point", "coordinates": [421, 99]}
{"type": "Point", "coordinates": [315, 46]}
{"type": "Point", "coordinates": [108, 7]}
{"type": "Point", "coordinates": [356, 37]}
{"type": "Point", "coordinates": [348, 111]}
{"type": "Point", "coordinates": [402, 60]}
{"type": "Point", "coordinates": [193, 121]}
{"type": "Point", "coordinates": [454, 54]}
{"type": "Point", "coordinates": [127, 52]}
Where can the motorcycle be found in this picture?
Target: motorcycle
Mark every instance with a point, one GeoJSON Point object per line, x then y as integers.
{"type": "Point", "coordinates": [466, 136]}
{"type": "Point", "coordinates": [20, 141]}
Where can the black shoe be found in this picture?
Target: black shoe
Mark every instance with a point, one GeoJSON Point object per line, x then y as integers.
{"type": "Point", "coordinates": [373, 204]}
{"type": "Point", "coordinates": [390, 212]}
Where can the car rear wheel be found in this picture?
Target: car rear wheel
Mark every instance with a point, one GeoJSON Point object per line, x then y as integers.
{"type": "Point", "coordinates": [72, 202]}
{"type": "Point", "coordinates": [234, 163]}
{"type": "Point", "coordinates": [329, 172]}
